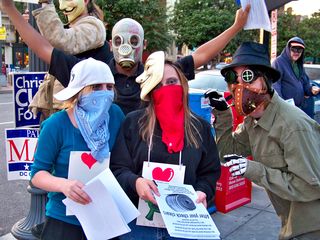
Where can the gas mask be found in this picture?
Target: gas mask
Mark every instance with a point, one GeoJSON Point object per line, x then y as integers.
{"type": "Point", "coordinates": [247, 98]}
{"type": "Point", "coordinates": [72, 8]}
{"type": "Point", "coordinates": [127, 42]}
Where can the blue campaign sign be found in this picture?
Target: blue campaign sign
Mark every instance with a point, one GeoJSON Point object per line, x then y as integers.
{"type": "Point", "coordinates": [25, 86]}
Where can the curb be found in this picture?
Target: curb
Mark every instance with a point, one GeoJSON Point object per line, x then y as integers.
{"type": "Point", "coordinates": [5, 90]}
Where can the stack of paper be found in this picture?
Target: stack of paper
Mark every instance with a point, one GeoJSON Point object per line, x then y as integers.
{"type": "Point", "coordinates": [183, 217]}
{"type": "Point", "coordinates": [109, 212]}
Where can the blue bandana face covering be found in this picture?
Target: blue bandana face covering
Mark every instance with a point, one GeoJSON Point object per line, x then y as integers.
{"type": "Point", "coordinates": [92, 117]}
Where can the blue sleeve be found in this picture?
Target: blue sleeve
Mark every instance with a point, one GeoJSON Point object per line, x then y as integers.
{"type": "Point", "coordinates": [48, 146]}
{"type": "Point", "coordinates": [277, 85]}
{"type": "Point", "coordinates": [306, 85]}
{"type": "Point", "coordinates": [116, 119]}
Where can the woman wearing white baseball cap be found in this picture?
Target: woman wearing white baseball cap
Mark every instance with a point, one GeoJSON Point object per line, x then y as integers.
{"type": "Point", "coordinates": [90, 123]}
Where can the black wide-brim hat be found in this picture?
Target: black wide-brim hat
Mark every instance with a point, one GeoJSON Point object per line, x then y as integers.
{"type": "Point", "coordinates": [253, 54]}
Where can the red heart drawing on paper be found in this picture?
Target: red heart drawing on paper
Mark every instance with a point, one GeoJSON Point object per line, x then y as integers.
{"type": "Point", "coordinates": [88, 160]}
{"type": "Point", "coordinates": [162, 175]}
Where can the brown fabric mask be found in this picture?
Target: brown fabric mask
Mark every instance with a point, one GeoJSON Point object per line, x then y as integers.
{"type": "Point", "coordinates": [247, 99]}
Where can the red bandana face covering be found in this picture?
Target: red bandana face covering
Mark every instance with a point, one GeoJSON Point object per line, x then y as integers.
{"type": "Point", "coordinates": [170, 114]}
{"type": "Point", "coordinates": [247, 99]}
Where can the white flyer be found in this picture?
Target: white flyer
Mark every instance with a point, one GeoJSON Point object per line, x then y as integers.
{"type": "Point", "coordinates": [183, 217]}
{"type": "Point", "coordinates": [100, 219]}
{"type": "Point", "coordinates": [258, 15]}
{"type": "Point", "coordinates": [109, 212]}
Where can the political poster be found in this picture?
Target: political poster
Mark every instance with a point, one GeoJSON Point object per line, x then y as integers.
{"type": "Point", "coordinates": [25, 86]}
{"type": "Point", "coordinates": [21, 144]}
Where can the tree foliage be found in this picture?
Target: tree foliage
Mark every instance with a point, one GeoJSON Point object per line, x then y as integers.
{"type": "Point", "coordinates": [308, 29]}
{"type": "Point", "coordinates": [151, 14]}
{"type": "Point", "coordinates": [286, 29]}
{"type": "Point", "coordinates": [198, 21]}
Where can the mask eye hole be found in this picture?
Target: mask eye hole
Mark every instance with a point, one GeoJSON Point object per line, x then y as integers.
{"type": "Point", "coordinates": [134, 40]}
{"type": "Point", "coordinates": [117, 41]}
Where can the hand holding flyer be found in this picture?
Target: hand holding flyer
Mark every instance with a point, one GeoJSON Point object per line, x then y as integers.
{"type": "Point", "coordinates": [183, 217]}
{"type": "Point", "coordinates": [258, 15]}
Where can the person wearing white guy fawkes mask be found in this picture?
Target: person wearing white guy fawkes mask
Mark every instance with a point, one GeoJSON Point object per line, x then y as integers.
{"type": "Point", "coordinates": [84, 36]}
{"type": "Point", "coordinates": [125, 84]}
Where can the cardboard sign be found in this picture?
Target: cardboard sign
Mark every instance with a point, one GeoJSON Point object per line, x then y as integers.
{"type": "Point", "coordinates": [21, 145]}
{"type": "Point", "coordinates": [150, 214]}
{"type": "Point", "coordinates": [25, 86]}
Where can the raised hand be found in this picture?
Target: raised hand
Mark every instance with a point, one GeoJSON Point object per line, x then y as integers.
{"type": "Point", "coordinates": [242, 17]}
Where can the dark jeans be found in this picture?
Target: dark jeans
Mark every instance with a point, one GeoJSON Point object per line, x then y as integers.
{"type": "Point", "coordinates": [55, 229]}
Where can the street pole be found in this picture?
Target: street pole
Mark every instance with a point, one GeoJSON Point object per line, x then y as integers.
{"type": "Point", "coordinates": [22, 229]}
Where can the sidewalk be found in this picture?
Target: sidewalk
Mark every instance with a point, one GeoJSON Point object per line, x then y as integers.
{"type": "Point", "coordinates": [254, 221]}
{"type": "Point", "coordinates": [4, 86]}
{"type": "Point", "coordinates": [6, 89]}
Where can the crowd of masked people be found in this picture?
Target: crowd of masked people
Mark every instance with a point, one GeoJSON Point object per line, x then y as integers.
{"type": "Point", "coordinates": [99, 97]}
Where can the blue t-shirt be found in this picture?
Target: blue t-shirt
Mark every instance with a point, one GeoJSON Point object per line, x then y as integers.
{"type": "Point", "coordinates": [58, 137]}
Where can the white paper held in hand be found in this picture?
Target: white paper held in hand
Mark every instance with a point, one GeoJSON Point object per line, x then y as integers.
{"type": "Point", "coordinates": [100, 219]}
{"type": "Point", "coordinates": [258, 15]}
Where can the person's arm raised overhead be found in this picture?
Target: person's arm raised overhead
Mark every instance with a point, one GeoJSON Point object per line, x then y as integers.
{"type": "Point", "coordinates": [210, 49]}
{"type": "Point", "coordinates": [38, 44]}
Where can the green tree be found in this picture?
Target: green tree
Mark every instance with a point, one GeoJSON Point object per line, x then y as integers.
{"type": "Point", "coordinates": [309, 31]}
{"type": "Point", "coordinates": [197, 21]}
{"type": "Point", "coordinates": [151, 14]}
{"type": "Point", "coordinates": [287, 27]}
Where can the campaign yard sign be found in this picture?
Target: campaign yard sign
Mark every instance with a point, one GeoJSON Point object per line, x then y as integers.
{"type": "Point", "coordinates": [25, 86]}
{"type": "Point", "coordinates": [21, 144]}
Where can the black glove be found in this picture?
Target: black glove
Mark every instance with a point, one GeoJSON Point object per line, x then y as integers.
{"type": "Point", "coordinates": [216, 99]}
